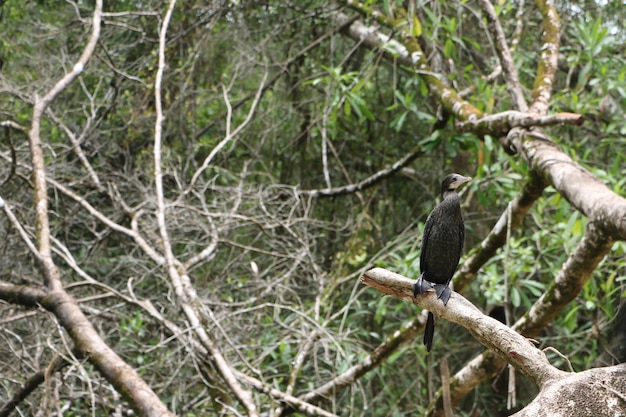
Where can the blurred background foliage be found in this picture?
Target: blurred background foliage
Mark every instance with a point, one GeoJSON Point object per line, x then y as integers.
{"type": "Point", "coordinates": [329, 113]}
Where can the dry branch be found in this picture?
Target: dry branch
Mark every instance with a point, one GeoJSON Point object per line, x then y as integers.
{"type": "Point", "coordinates": [86, 339]}
{"type": "Point", "coordinates": [504, 341]}
{"type": "Point", "coordinates": [367, 182]}
{"type": "Point", "coordinates": [578, 186]}
{"type": "Point", "coordinates": [566, 286]}
{"type": "Point", "coordinates": [178, 276]}
{"type": "Point", "coordinates": [559, 390]}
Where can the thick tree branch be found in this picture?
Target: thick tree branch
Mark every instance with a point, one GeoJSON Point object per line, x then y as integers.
{"type": "Point", "coordinates": [580, 187]}
{"type": "Point", "coordinates": [559, 390]}
{"type": "Point", "coordinates": [500, 123]}
{"type": "Point", "coordinates": [566, 286]}
{"type": "Point", "coordinates": [504, 341]}
{"type": "Point", "coordinates": [21, 294]}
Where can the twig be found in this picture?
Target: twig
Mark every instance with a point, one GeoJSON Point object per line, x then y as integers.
{"type": "Point", "coordinates": [373, 360]}
{"type": "Point", "coordinates": [367, 182]}
{"type": "Point", "coordinates": [31, 384]}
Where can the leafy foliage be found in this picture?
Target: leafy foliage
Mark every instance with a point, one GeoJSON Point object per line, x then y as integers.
{"type": "Point", "coordinates": [297, 106]}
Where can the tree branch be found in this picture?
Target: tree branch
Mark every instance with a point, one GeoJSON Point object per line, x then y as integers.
{"type": "Point", "coordinates": [409, 54]}
{"type": "Point", "coordinates": [500, 123]}
{"type": "Point", "coordinates": [31, 384]}
{"type": "Point", "coordinates": [566, 286]}
{"type": "Point", "coordinates": [373, 360]}
{"type": "Point", "coordinates": [546, 69]}
{"type": "Point", "coordinates": [504, 54]}
{"type": "Point", "coordinates": [176, 271]}
{"type": "Point", "coordinates": [580, 187]}
{"type": "Point", "coordinates": [87, 340]}
{"type": "Point", "coordinates": [502, 340]}
{"type": "Point", "coordinates": [367, 182]}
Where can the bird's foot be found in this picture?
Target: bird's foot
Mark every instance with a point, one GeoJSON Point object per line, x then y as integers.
{"type": "Point", "coordinates": [443, 292]}
{"type": "Point", "coordinates": [421, 286]}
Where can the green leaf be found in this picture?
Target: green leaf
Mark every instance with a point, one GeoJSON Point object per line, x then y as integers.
{"type": "Point", "coordinates": [417, 27]}
{"type": "Point", "coordinates": [515, 297]}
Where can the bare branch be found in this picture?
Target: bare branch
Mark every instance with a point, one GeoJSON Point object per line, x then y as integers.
{"type": "Point", "coordinates": [22, 232]}
{"type": "Point", "coordinates": [566, 286]}
{"type": "Point", "coordinates": [294, 402]}
{"type": "Point", "coordinates": [367, 182]}
{"type": "Point", "coordinates": [506, 59]}
{"type": "Point", "coordinates": [31, 384]}
{"type": "Point", "coordinates": [497, 337]}
{"type": "Point", "coordinates": [180, 280]}
{"type": "Point", "coordinates": [51, 273]}
{"type": "Point", "coordinates": [229, 135]}
{"type": "Point", "coordinates": [405, 334]}
{"type": "Point", "coordinates": [580, 187]}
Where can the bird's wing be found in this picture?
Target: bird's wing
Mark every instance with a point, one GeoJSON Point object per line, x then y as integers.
{"type": "Point", "coordinates": [461, 236]}
{"type": "Point", "coordinates": [426, 241]}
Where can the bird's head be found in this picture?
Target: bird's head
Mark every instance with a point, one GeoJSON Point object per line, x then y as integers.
{"type": "Point", "coordinates": [453, 181]}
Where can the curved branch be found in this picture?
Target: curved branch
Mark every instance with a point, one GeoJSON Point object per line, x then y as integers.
{"type": "Point", "coordinates": [367, 182]}
{"type": "Point", "coordinates": [573, 275]}
{"type": "Point", "coordinates": [409, 54]}
{"type": "Point", "coordinates": [85, 337]}
{"type": "Point", "coordinates": [502, 340]}
{"type": "Point", "coordinates": [177, 273]}
{"type": "Point", "coordinates": [578, 186]}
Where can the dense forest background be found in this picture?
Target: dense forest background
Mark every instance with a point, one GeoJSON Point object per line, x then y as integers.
{"type": "Point", "coordinates": [205, 181]}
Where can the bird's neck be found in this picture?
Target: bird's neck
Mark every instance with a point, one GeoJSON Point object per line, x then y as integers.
{"type": "Point", "coordinates": [449, 194]}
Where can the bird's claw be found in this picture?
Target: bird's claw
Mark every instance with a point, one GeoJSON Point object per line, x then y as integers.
{"type": "Point", "coordinates": [421, 286]}
{"type": "Point", "coordinates": [443, 292]}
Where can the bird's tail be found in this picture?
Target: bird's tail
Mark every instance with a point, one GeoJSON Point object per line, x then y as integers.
{"type": "Point", "coordinates": [429, 331]}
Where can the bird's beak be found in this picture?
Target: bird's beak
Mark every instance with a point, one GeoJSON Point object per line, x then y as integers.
{"type": "Point", "coordinates": [464, 180]}
{"type": "Point", "coordinates": [460, 181]}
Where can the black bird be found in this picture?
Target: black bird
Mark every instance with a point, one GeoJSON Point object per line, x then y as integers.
{"type": "Point", "coordinates": [442, 245]}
